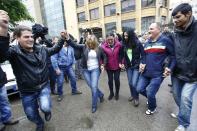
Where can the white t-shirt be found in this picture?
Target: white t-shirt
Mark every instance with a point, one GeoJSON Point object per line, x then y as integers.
{"type": "Point", "coordinates": [92, 62]}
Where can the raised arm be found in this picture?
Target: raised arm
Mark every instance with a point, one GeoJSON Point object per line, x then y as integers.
{"type": "Point", "coordinates": [57, 47]}
{"type": "Point", "coordinates": [4, 37]}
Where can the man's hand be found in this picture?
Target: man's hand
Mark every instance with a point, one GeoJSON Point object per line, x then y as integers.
{"type": "Point", "coordinates": [58, 72]}
{"type": "Point", "coordinates": [4, 23]}
{"type": "Point", "coordinates": [64, 34]}
{"type": "Point", "coordinates": [167, 72]}
{"type": "Point", "coordinates": [142, 67]}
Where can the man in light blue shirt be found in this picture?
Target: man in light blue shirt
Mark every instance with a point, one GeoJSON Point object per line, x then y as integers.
{"type": "Point", "coordinates": [62, 63]}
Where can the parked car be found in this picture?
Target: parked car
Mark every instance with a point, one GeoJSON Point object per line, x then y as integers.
{"type": "Point", "coordinates": [11, 84]}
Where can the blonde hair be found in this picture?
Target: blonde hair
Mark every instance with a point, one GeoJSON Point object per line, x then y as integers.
{"type": "Point", "coordinates": [92, 42]}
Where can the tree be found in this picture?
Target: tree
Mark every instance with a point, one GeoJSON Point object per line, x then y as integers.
{"type": "Point", "coordinates": [16, 10]}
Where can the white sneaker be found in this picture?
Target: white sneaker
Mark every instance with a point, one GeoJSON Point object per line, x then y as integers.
{"type": "Point", "coordinates": [149, 112]}
{"type": "Point", "coordinates": [173, 115]}
{"type": "Point", "coordinates": [180, 128]}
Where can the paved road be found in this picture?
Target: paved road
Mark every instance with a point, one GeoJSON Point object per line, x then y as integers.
{"type": "Point", "coordinates": [74, 112]}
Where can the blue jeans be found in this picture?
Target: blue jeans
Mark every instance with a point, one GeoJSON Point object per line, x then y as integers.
{"type": "Point", "coordinates": [133, 76]}
{"type": "Point", "coordinates": [32, 101]}
{"type": "Point", "coordinates": [149, 87]}
{"type": "Point", "coordinates": [5, 109]}
{"type": "Point", "coordinates": [68, 70]}
{"type": "Point", "coordinates": [92, 78]}
{"type": "Point", "coordinates": [183, 95]}
{"type": "Point", "coordinates": [78, 69]}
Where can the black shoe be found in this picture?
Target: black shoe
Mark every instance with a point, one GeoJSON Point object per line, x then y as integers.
{"type": "Point", "coordinates": [110, 96]}
{"type": "Point", "coordinates": [116, 97]}
{"type": "Point", "coordinates": [130, 99]}
{"type": "Point", "coordinates": [136, 103]}
{"type": "Point", "coordinates": [94, 109]}
{"type": "Point", "coordinates": [60, 98]}
{"type": "Point", "coordinates": [170, 85]}
{"type": "Point", "coordinates": [76, 92]}
{"type": "Point", "coordinates": [54, 93]}
{"type": "Point", "coordinates": [47, 116]}
{"type": "Point", "coordinates": [2, 127]}
{"type": "Point", "coordinates": [11, 122]}
{"type": "Point", "coordinates": [102, 99]}
{"type": "Point", "coordinates": [40, 128]}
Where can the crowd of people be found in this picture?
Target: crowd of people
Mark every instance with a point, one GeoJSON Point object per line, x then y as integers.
{"type": "Point", "coordinates": [147, 60]}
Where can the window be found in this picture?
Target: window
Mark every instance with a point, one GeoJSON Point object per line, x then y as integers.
{"type": "Point", "coordinates": [109, 27]}
{"type": "Point", "coordinates": [79, 3]}
{"type": "Point", "coordinates": [90, 1]}
{"type": "Point", "coordinates": [110, 10]}
{"type": "Point", "coordinates": [163, 20]}
{"type": "Point", "coordinates": [94, 14]}
{"type": "Point", "coordinates": [147, 3]}
{"type": "Point", "coordinates": [164, 3]}
{"type": "Point", "coordinates": [81, 17]}
{"type": "Point", "coordinates": [127, 5]}
{"type": "Point", "coordinates": [128, 24]}
{"type": "Point", "coordinates": [146, 21]}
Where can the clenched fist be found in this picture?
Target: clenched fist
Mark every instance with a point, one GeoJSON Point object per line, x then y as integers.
{"type": "Point", "coordinates": [4, 23]}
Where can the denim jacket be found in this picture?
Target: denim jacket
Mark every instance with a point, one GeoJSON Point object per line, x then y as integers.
{"type": "Point", "coordinates": [63, 58]}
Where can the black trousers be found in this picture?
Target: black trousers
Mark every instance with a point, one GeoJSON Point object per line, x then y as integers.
{"type": "Point", "coordinates": [114, 75]}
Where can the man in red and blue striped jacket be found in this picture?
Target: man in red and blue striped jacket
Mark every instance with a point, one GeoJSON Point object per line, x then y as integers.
{"type": "Point", "coordinates": [154, 68]}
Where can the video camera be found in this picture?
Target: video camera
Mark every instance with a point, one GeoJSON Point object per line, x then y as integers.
{"type": "Point", "coordinates": [39, 31]}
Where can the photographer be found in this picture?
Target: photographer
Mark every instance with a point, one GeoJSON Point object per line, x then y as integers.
{"type": "Point", "coordinates": [39, 33]}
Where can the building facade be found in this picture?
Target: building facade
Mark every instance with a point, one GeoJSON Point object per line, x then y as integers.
{"type": "Point", "coordinates": [48, 13]}
{"type": "Point", "coordinates": [53, 16]}
{"type": "Point", "coordinates": [104, 16]}
{"type": "Point", "coordinates": [34, 12]}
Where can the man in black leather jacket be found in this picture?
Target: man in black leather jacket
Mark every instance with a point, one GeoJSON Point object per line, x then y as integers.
{"type": "Point", "coordinates": [29, 63]}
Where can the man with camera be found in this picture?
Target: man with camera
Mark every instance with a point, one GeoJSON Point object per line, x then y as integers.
{"type": "Point", "coordinates": [29, 63]}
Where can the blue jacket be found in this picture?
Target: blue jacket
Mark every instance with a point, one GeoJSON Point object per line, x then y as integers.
{"type": "Point", "coordinates": [156, 54]}
{"type": "Point", "coordinates": [63, 58]}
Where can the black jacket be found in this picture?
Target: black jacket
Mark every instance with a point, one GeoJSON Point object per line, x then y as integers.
{"type": "Point", "coordinates": [185, 43]}
{"type": "Point", "coordinates": [137, 55]}
{"type": "Point", "coordinates": [31, 69]}
{"type": "Point", "coordinates": [4, 45]}
{"type": "Point", "coordinates": [84, 54]}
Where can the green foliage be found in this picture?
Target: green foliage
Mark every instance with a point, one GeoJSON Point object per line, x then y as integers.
{"type": "Point", "coordinates": [16, 10]}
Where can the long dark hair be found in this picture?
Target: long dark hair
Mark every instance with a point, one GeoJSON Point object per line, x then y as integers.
{"type": "Point", "coordinates": [132, 38]}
